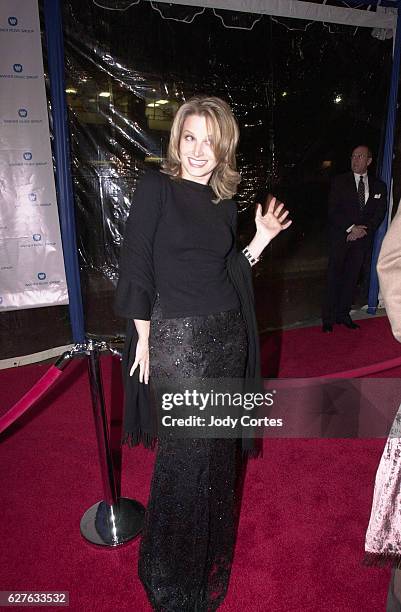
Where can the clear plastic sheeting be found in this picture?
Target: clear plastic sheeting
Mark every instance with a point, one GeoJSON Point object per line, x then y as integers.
{"type": "Point", "coordinates": [303, 92]}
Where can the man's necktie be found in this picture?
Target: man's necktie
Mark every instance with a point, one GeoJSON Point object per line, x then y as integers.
{"type": "Point", "coordinates": [361, 193]}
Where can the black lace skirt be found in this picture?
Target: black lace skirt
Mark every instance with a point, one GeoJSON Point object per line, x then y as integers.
{"type": "Point", "coordinates": [188, 539]}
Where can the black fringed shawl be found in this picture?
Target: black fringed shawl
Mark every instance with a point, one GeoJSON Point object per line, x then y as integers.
{"type": "Point", "coordinates": [140, 421]}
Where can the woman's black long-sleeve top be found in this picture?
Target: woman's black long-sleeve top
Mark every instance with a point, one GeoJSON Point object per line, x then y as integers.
{"type": "Point", "coordinates": [177, 241]}
{"type": "Point", "coordinates": [182, 245]}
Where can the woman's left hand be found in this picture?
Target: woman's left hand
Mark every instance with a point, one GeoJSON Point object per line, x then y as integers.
{"type": "Point", "coordinates": [273, 221]}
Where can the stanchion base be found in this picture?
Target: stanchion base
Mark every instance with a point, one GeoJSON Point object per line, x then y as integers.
{"type": "Point", "coordinates": [114, 525]}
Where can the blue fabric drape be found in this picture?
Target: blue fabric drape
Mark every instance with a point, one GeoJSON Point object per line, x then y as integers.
{"type": "Point", "coordinates": [386, 168]}
{"type": "Point", "coordinates": [55, 54]}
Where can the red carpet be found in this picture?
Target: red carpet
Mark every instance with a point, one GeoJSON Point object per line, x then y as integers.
{"type": "Point", "coordinates": [305, 509]}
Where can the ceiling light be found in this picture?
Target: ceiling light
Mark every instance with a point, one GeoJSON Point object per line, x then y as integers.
{"type": "Point", "coordinates": [104, 94]}
{"type": "Point", "coordinates": [162, 102]}
{"type": "Point", "coordinates": [71, 90]}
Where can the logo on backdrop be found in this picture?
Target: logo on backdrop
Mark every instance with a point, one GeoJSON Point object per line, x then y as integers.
{"type": "Point", "coordinates": [27, 155]}
{"type": "Point", "coordinates": [41, 275]}
{"type": "Point", "coordinates": [37, 237]}
{"type": "Point", "coordinates": [17, 67]}
{"type": "Point", "coordinates": [22, 112]}
{"type": "Point", "coordinates": [32, 197]}
{"type": "Point", "coordinates": [12, 21]}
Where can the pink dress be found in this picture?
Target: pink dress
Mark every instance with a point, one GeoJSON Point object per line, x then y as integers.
{"type": "Point", "coordinates": [383, 536]}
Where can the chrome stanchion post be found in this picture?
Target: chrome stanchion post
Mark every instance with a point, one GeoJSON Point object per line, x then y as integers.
{"type": "Point", "coordinates": [100, 418]}
{"type": "Point", "coordinates": [112, 521]}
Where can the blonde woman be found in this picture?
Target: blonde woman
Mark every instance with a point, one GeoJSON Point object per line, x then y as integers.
{"type": "Point", "coordinates": [186, 292]}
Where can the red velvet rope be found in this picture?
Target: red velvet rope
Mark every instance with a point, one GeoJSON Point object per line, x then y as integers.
{"type": "Point", "coordinates": [54, 373]}
{"type": "Point", "coordinates": [30, 397]}
{"type": "Point", "coordinates": [390, 364]}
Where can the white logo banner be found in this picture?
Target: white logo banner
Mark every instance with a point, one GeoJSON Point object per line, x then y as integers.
{"type": "Point", "coordinates": [31, 256]}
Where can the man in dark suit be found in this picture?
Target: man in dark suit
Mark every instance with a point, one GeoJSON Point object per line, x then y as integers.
{"type": "Point", "coordinates": [357, 206]}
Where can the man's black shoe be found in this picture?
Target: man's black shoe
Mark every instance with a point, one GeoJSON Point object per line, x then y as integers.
{"type": "Point", "coordinates": [327, 328]}
{"type": "Point", "coordinates": [348, 322]}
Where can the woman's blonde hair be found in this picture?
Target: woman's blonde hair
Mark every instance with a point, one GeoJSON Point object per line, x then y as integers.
{"type": "Point", "coordinates": [225, 134]}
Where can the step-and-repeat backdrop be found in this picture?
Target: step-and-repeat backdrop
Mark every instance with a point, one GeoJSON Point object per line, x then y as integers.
{"type": "Point", "coordinates": [31, 256]}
